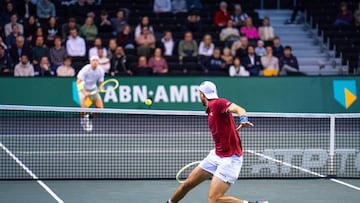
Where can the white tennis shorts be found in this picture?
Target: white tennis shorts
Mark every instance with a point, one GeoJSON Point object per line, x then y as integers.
{"type": "Point", "coordinates": [92, 97]}
{"type": "Point", "coordinates": [225, 168]}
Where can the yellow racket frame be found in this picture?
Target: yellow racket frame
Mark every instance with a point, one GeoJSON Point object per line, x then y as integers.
{"type": "Point", "coordinates": [183, 169]}
{"type": "Point", "coordinates": [116, 82]}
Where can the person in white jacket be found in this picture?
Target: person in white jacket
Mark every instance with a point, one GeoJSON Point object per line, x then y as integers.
{"type": "Point", "coordinates": [206, 47]}
{"type": "Point", "coordinates": [266, 31]}
{"type": "Point", "coordinates": [237, 69]}
{"type": "Point", "coordinates": [229, 34]}
{"type": "Point", "coordinates": [75, 45]}
{"type": "Point", "coordinates": [24, 68]}
{"type": "Point", "coordinates": [104, 61]}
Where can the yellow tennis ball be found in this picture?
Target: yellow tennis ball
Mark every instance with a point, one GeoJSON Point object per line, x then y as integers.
{"type": "Point", "coordinates": [148, 102]}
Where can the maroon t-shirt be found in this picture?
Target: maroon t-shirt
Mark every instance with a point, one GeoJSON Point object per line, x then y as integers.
{"type": "Point", "coordinates": [223, 128]}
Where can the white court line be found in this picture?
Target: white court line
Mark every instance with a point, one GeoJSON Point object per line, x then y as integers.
{"type": "Point", "coordinates": [344, 183]}
{"type": "Point", "coordinates": [302, 169]}
{"type": "Point", "coordinates": [111, 151]}
{"type": "Point", "coordinates": [164, 134]}
{"type": "Point", "coordinates": [23, 166]}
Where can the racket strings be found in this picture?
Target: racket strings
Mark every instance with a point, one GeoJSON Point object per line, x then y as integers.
{"type": "Point", "coordinates": [109, 85]}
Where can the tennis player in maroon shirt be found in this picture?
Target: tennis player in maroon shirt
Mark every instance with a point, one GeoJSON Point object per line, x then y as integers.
{"type": "Point", "coordinates": [224, 162]}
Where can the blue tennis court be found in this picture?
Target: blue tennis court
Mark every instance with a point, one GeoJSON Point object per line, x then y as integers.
{"type": "Point", "coordinates": [273, 190]}
{"type": "Point", "coordinates": [46, 156]}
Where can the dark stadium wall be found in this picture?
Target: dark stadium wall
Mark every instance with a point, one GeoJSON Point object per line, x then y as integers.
{"type": "Point", "coordinates": [282, 94]}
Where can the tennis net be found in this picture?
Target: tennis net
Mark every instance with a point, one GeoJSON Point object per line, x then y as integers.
{"type": "Point", "coordinates": [50, 143]}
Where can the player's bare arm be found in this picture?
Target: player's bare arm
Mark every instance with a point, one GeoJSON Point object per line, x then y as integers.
{"type": "Point", "coordinates": [101, 86]}
{"type": "Point", "coordinates": [80, 86]}
{"type": "Point", "coordinates": [234, 108]}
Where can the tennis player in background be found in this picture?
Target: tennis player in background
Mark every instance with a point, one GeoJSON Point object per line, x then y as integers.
{"type": "Point", "coordinates": [224, 162]}
{"type": "Point", "coordinates": [88, 79]}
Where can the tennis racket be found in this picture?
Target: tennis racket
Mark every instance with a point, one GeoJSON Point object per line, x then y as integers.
{"type": "Point", "coordinates": [107, 86]}
{"type": "Point", "coordinates": [184, 172]}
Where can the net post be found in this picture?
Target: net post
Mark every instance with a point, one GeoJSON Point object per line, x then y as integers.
{"type": "Point", "coordinates": [332, 146]}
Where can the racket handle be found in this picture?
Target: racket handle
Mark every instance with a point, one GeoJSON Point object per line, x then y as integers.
{"type": "Point", "coordinates": [93, 92]}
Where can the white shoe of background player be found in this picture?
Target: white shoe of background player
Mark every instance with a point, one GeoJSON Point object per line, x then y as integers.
{"type": "Point", "coordinates": [86, 123]}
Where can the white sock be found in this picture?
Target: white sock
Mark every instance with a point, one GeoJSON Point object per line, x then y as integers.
{"type": "Point", "coordinates": [244, 201]}
{"type": "Point", "coordinates": [169, 201]}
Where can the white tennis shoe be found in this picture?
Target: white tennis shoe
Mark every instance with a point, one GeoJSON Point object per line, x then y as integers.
{"type": "Point", "coordinates": [86, 123]}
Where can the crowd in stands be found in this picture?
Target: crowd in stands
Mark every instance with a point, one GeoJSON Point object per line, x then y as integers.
{"type": "Point", "coordinates": [339, 24]}
{"type": "Point", "coordinates": [159, 37]}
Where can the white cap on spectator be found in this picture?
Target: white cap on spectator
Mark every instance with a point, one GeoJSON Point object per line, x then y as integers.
{"type": "Point", "coordinates": [209, 90]}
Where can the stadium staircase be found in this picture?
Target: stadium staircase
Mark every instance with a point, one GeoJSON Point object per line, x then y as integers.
{"type": "Point", "coordinates": [314, 57]}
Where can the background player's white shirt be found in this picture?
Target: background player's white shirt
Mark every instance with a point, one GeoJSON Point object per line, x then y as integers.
{"type": "Point", "coordinates": [90, 77]}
